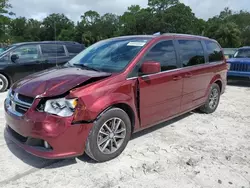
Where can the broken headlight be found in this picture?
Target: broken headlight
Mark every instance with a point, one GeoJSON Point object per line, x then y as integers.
{"type": "Point", "coordinates": [61, 107]}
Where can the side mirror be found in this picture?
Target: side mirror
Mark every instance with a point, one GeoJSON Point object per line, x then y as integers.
{"type": "Point", "coordinates": [150, 67]}
{"type": "Point", "coordinates": [14, 57]}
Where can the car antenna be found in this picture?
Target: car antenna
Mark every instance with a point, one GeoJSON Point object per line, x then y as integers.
{"type": "Point", "coordinates": [55, 41]}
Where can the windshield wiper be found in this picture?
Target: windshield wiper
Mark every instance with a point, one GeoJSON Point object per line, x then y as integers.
{"type": "Point", "coordinates": [87, 67]}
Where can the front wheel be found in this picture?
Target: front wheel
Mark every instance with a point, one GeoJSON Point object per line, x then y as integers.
{"type": "Point", "coordinates": [109, 135]}
{"type": "Point", "coordinates": [213, 100]}
{"type": "Point", "coordinates": [3, 83]}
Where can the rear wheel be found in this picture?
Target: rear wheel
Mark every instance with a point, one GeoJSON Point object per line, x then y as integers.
{"type": "Point", "coordinates": [109, 135]}
{"type": "Point", "coordinates": [213, 100]}
{"type": "Point", "coordinates": [3, 83]}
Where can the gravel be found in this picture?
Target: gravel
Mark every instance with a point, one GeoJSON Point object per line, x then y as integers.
{"type": "Point", "coordinates": [194, 150]}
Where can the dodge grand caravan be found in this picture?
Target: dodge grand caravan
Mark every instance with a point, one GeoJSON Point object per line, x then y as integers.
{"type": "Point", "coordinates": [112, 89]}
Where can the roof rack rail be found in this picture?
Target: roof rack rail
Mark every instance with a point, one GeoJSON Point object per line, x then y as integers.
{"type": "Point", "coordinates": [71, 42]}
{"type": "Point", "coordinates": [179, 34]}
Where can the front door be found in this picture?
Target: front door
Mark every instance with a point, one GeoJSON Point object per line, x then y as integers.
{"type": "Point", "coordinates": [160, 94]}
{"type": "Point", "coordinates": [28, 62]}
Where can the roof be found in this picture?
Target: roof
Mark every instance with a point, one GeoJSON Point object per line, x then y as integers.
{"type": "Point", "coordinates": [245, 47]}
{"type": "Point", "coordinates": [159, 36]}
{"type": "Point", "coordinates": [46, 42]}
{"type": "Point", "coordinates": [183, 35]}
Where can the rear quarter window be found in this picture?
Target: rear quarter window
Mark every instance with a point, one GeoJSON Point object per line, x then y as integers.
{"type": "Point", "coordinates": [53, 50]}
{"type": "Point", "coordinates": [74, 49]}
{"type": "Point", "coordinates": [214, 51]}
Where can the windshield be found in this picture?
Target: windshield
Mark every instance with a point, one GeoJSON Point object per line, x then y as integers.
{"type": "Point", "coordinates": [6, 50]}
{"type": "Point", "coordinates": [1, 50]}
{"type": "Point", "coordinates": [242, 53]}
{"type": "Point", "coordinates": [229, 51]}
{"type": "Point", "coordinates": [109, 55]}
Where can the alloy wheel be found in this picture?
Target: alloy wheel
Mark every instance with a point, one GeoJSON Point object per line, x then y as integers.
{"type": "Point", "coordinates": [214, 98]}
{"type": "Point", "coordinates": [111, 135]}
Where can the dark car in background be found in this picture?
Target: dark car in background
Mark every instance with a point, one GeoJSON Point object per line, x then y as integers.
{"type": "Point", "coordinates": [239, 65]}
{"type": "Point", "coordinates": [229, 52]}
{"type": "Point", "coordinates": [23, 59]}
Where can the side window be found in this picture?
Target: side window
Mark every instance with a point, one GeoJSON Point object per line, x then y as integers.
{"type": "Point", "coordinates": [26, 53]}
{"type": "Point", "coordinates": [53, 50]}
{"type": "Point", "coordinates": [164, 53]}
{"type": "Point", "coordinates": [74, 49]}
{"type": "Point", "coordinates": [191, 52]}
{"type": "Point", "coordinates": [214, 52]}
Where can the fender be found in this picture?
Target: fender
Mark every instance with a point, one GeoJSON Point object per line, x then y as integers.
{"type": "Point", "coordinates": [216, 78]}
{"type": "Point", "coordinates": [90, 113]}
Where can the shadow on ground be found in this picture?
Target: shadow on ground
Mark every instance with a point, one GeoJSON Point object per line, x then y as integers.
{"type": "Point", "coordinates": [51, 164]}
{"type": "Point", "coordinates": [239, 83]}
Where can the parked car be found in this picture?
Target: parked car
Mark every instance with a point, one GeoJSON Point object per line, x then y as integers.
{"type": "Point", "coordinates": [229, 52]}
{"type": "Point", "coordinates": [239, 65]}
{"type": "Point", "coordinates": [23, 59]}
{"type": "Point", "coordinates": [112, 89]}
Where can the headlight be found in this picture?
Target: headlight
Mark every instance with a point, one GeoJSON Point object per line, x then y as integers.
{"type": "Point", "coordinates": [228, 66]}
{"type": "Point", "coordinates": [61, 107]}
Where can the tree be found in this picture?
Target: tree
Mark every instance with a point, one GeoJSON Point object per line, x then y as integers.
{"type": "Point", "coordinates": [89, 29]}
{"type": "Point", "coordinates": [227, 34]}
{"type": "Point", "coordinates": [67, 35]}
{"type": "Point", "coordinates": [161, 5]}
{"type": "Point", "coordinates": [17, 28]}
{"type": "Point", "coordinates": [33, 30]}
{"type": "Point", "coordinates": [53, 25]}
{"type": "Point", "coordinates": [5, 6]}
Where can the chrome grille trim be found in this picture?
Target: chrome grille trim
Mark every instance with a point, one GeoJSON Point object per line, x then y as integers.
{"type": "Point", "coordinates": [242, 67]}
{"type": "Point", "coordinates": [14, 103]}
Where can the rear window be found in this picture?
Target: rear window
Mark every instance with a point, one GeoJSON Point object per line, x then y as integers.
{"type": "Point", "coordinates": [191, 52]}
{"type": "Point", "coordinates": [214, 52]}
{"type": "Point", "coordinates": [74, 49]}
{"type": "Point", "coordinates": [53, 50]}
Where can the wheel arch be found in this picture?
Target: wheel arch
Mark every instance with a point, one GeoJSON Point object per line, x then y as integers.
{"type": "Point", "coordinates": [219, 83]}
{"type": "Point", "coordinates": [216, 79]}
{"type": "Point", "coordinates": [126, 108]}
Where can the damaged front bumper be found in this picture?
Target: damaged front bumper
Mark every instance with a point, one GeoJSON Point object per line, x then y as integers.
{"type": "Point", "coordinates": [47, 136]}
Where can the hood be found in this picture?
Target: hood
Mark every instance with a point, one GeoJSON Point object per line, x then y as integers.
{"type": "Point", "coordinates": [239, 60]}
{"type": "Point", "coordinates": [56, 81]}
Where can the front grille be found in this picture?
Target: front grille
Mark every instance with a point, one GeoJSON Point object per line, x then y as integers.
{"type": "Point", "coordinates": [25, 99]}
{"type": "Point", "coordinates": [21, 109]}
{"type": "Point", "coordinates": [19, 104]}
{"type": "Point", "coordinates": [242, 67]}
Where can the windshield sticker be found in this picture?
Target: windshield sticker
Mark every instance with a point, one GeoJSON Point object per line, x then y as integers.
{"type": "Point", "coordinates": [136, 43]}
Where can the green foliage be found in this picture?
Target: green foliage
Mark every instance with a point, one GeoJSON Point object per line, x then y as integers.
{"type": "Point", "coordinates": [227, 34]}
{"type": "Point", "coordinates": [161, 5]}
{"type": "Point", "coordinates": [231, 29]}
{"type": "Point", "coordinates": [54, 24]}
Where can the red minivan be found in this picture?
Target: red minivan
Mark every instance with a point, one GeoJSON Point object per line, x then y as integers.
{"type": "Point", "coordinates": [112, 89]}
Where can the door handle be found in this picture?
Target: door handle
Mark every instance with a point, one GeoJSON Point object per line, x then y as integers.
{"type": "Point", "coordinates": [177, 78]}
{"type": "Point", "coordinates": [188, 75]}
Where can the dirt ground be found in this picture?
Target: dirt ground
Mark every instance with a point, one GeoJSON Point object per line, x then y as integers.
{"type": "Point", "coordinates": [195, 150]}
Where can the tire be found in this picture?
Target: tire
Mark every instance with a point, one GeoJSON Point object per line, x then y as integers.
{"type": "Point", "coordinates": [117, 141]}
{"type": "Point", "coordinates": [4, 83]}
{"type": "Point", "coordinates": [207, 107]}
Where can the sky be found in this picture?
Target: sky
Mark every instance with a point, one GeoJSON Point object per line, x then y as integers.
{"type": "Point", "coordinates": [39, 9]}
